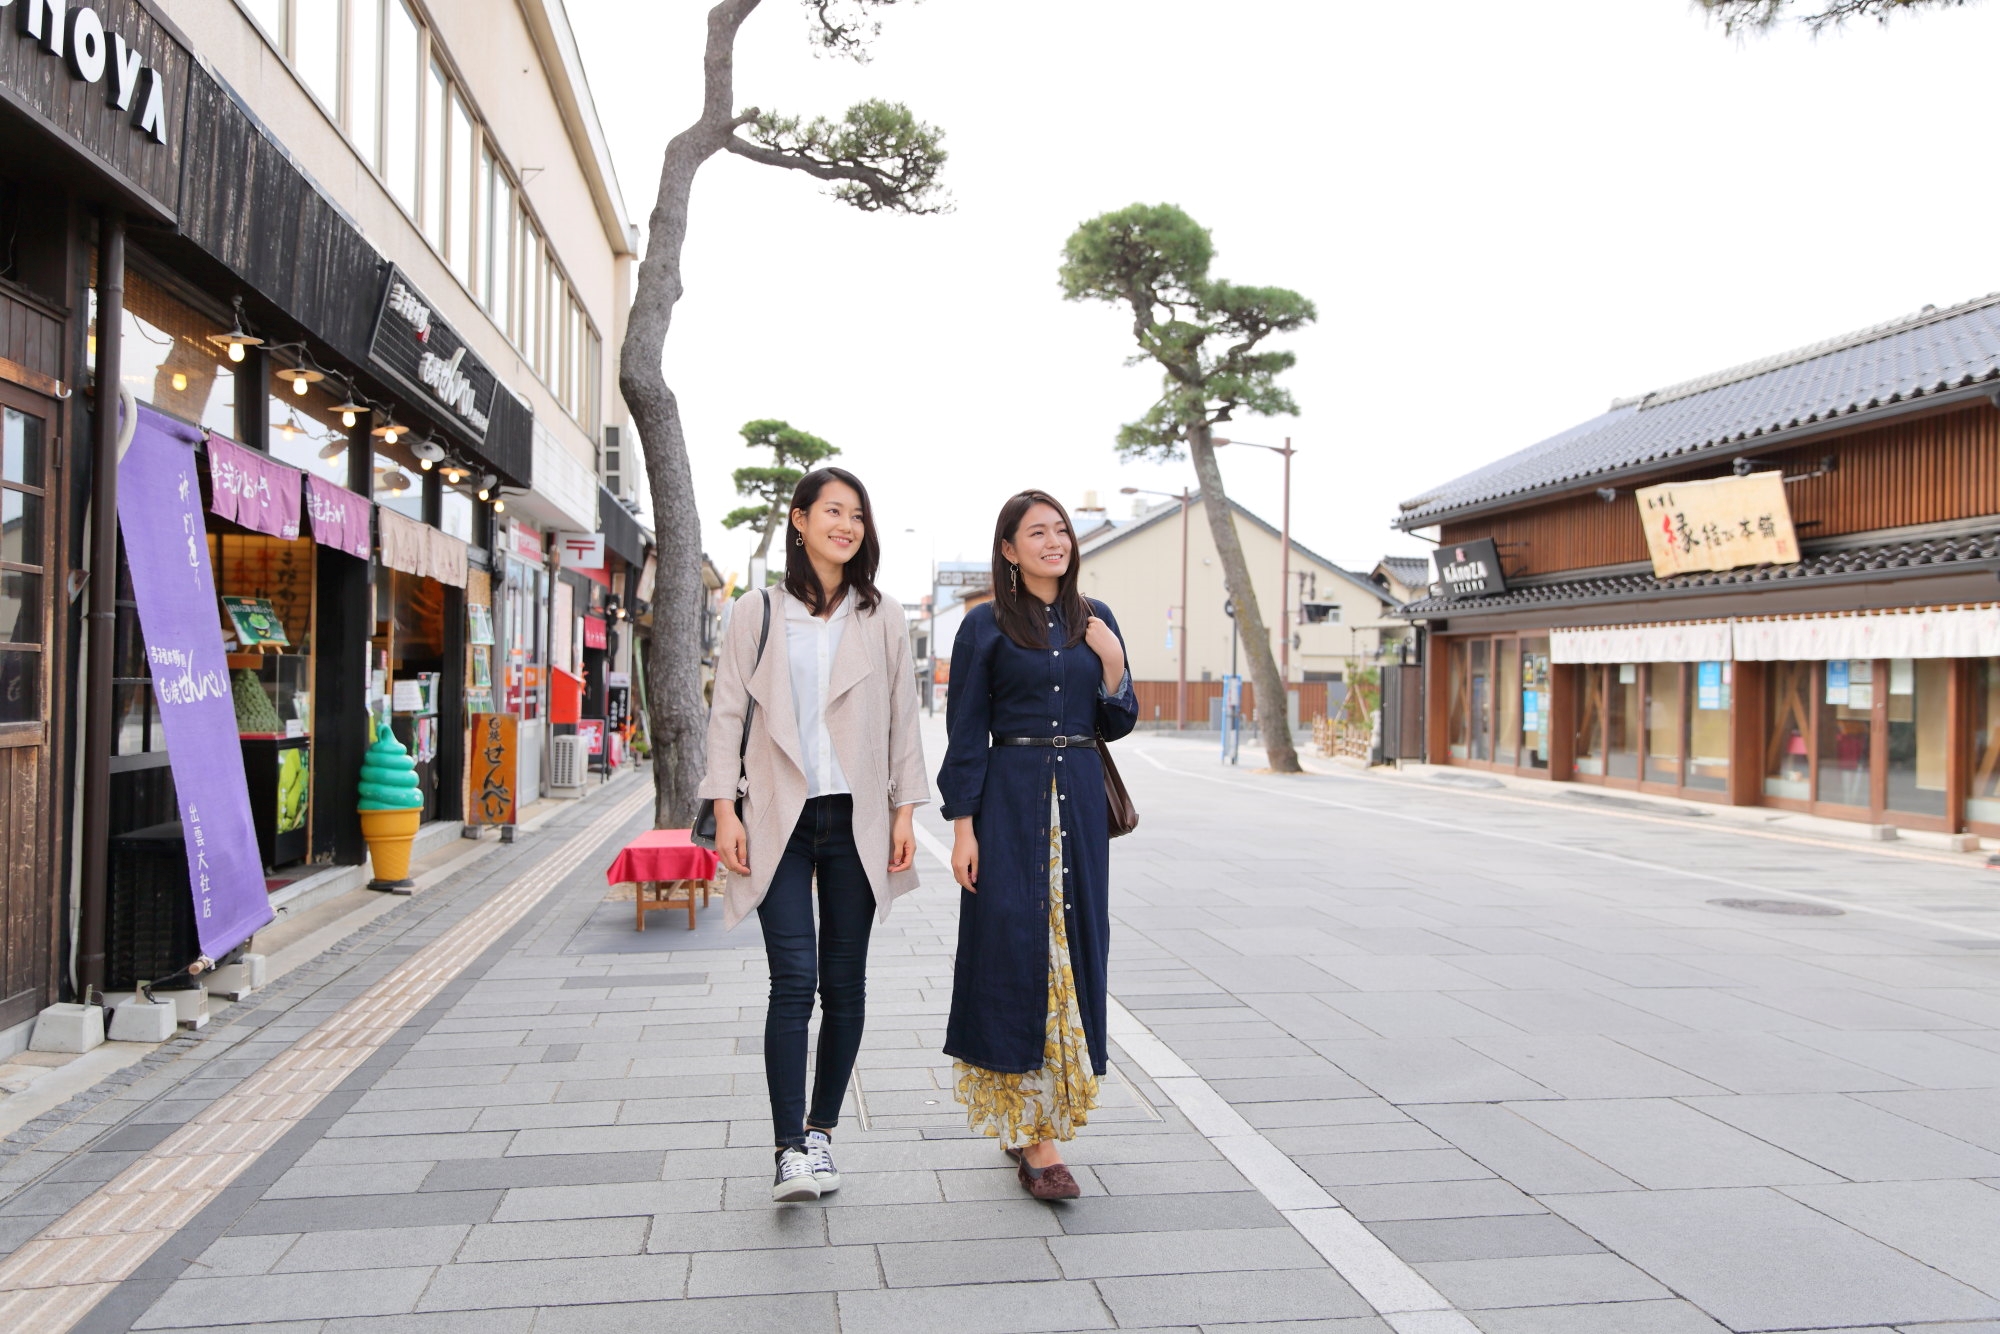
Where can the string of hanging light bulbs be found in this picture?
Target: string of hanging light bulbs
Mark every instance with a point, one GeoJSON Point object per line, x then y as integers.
{"type": "Point", "coordinates": [430, 454]}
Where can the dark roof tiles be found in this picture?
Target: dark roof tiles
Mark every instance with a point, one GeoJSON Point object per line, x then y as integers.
{"type": "Point", "coordinates": [1923, 354]}
{"type": "Point", "coordinates": [1978, 548]}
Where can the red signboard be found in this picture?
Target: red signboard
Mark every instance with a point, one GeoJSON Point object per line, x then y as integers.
{"type": "Point", "coordinates": [593, 632]}
{"type": "Point", "coordinates": [592, 732]}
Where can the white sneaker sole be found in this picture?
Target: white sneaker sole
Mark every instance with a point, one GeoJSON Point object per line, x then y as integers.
{"type": "Point", "coordinates": [795, 1192]}
{"type": "Point", "coordinates": [827, 1182]}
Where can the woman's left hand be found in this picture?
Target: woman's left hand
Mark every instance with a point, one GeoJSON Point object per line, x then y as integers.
{"type": "Point", "coordinates": [1103, 641]}
{"type": "Point", "coordinates": [903, 839]}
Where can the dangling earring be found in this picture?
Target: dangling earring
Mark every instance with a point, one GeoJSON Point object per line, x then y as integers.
{"type": "Point", "coordinates": [798, 539]}
{"type": "Point", "coordinates": [1013, 578]}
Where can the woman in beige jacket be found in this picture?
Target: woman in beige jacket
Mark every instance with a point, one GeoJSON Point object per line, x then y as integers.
{"type": "Point", "coordinates": [830, 776]}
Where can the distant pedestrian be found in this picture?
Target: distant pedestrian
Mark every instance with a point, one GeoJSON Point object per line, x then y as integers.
{"type": "Point", "coordinates": [1037, 679]}
{"type": "Point", "coordinates": [830, 774]}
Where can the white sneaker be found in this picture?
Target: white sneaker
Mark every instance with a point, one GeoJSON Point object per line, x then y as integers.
{"type": "Point", "coordinates": [819, 1151]}
{"type": "Point", "coordinates": [794, 1182]}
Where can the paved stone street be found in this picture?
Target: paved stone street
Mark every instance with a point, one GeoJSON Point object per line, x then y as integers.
{"type": "Point", "coordinates": [1389, 1054]}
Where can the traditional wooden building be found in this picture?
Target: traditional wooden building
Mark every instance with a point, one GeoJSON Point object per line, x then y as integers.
{"type": "Point", "coordinates": [1621, 605]}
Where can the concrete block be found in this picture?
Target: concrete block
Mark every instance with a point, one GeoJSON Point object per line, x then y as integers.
{"type": "Point", "coordinates": [74, 1029]}
{"type": "Point", "coordinates": [134, 1019]}
{"type": "Point", "coordinates": [236, 980]}
{"type": "Point", "coordinates": [190, 1007]}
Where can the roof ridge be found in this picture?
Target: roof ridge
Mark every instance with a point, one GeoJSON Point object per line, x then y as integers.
{"type": "Point", "coordinates": [1811, 351]}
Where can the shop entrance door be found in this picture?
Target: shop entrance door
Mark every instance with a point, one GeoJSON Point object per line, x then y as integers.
{"type": "Point", "coordinates": [1861, 739]}
{"type": "Point", "coordinates": [27, 535]}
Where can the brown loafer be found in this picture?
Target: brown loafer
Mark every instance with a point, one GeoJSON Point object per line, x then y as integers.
{"type": "Point", "coordinates": [1048, 1183]}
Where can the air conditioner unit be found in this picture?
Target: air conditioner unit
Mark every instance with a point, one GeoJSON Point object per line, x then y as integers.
{"type": "Point", "coordinates": [566, 766]}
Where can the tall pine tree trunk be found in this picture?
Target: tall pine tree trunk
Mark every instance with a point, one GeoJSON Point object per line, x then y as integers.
{"type": "Point", "coordinates": [1273, 702]}
{"type": "Point", "coordinates": [677, 716]}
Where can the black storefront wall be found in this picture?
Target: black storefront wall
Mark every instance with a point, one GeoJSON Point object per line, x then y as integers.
{"type": "Point", "coordinates": [247, 206]}
{"type": "Point", "coordinates": [108, 83]}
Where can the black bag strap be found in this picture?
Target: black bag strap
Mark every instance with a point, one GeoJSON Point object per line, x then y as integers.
{"type": "Point", "coordinates": [750, 708]}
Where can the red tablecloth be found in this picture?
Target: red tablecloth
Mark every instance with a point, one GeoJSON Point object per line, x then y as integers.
{"type": "Point", "coordinates": [662, 854]}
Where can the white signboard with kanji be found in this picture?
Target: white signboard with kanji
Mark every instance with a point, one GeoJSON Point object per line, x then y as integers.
{"type": "Point", "coordinates": [1722, 524]}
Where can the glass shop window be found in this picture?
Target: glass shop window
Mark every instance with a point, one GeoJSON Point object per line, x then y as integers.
{"type": "Point", "coordinates": [1709, 686]}
{"type": "Point", "coordinates": [169, 361]}
{"type": "Point", "coordinates": [307, 434]}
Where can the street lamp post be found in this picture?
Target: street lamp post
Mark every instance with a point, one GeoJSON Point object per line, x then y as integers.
{"type": "Point", "coordinates": [1180, 686]}
{"type": "Point", "coordinates": [1284, 560]}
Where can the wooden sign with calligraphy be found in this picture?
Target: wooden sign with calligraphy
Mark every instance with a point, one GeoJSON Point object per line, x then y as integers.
{"type": "Point", "coordinates": [494, 771]}
{"type": "Point", "coordinates": [1722, 524]}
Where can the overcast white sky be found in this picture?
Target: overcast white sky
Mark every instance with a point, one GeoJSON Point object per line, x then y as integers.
{"type": "Point", "coordinates": [1508, 214]}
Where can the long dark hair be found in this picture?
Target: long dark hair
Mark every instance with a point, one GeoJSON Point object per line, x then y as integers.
{"type": "Point", "coordinates": [858, 575]}
{"type": "Point", "coordinates": [1019, 613]}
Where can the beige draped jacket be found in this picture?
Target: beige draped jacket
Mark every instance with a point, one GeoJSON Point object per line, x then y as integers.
{"type": "Point", "coordinates": [871, 715]}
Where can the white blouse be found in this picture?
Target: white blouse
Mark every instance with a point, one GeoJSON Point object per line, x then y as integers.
{"type": "Point", "coordinates": [810, 646]}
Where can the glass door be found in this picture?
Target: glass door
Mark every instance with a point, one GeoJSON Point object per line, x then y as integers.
{"type": "Point", "coordinates": [1845, 749]}
{"type": "Point", "coordinates": [1918, 746]}
{"type": "Point", "coordinates": [1507, 705]}
{"type": "Point", "coordinates": [1591, 684]}
{"type": "Point", "coordinates": [1788, 714]}
{"type": "Point", "coordinates": [1623, 721]}
{"type": "Point", "coordinates": [1482, 699]}
{"type": "Point", "coordinates": [27, 598]}
{"type": "Point", "coordinates": [1663, 723]}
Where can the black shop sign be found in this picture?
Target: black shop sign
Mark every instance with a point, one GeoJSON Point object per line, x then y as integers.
{"type": "Point", "coordinates": [429, 360]}
{"type": "Point", "coordinates": [1470, 569]}
{"type": "Point", "coordinates": [106, 77]}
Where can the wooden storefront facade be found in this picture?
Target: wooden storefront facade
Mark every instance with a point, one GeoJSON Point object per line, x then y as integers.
{"type": "Point", "coordinates": [220, 228]}
{"type": "Point", "coordinates": [1860, 681]}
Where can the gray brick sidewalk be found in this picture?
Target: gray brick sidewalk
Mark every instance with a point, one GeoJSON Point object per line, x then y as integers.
{"type": "Point", "coordinates": [1555, 1081]}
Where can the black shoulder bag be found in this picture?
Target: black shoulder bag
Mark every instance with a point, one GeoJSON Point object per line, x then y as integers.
{"type": "Point", "coordinates": [704, 825]}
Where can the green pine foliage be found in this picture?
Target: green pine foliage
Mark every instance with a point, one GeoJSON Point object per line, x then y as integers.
{"type": "Point", "coordinates": [1203, 332]}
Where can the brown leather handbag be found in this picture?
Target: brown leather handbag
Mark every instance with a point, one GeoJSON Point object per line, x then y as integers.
{"type": "Point", "coordinates": [1120, 813]}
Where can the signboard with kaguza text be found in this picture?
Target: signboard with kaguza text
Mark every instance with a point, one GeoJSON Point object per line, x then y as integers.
{"type": "Point", "coordinates": [1722, 524]}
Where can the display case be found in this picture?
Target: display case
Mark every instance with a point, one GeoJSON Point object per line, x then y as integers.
{"type": "Point", "coordinates": [279, 773]}
{"type": "Point", "coordinates": [286, 680]}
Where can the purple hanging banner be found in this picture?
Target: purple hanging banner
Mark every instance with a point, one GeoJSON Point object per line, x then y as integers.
{"type": "Point", "coordinates": [340, 518]}
{"type": "Point", "coordinates": [166, 546]}
{"type": "Point", "coordinates": [254, 489]}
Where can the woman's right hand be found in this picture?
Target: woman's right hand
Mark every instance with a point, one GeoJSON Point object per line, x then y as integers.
{"type": "Point", "coordinates": [732, 843]}
{"type": "Point", "coordinates": [964, 854]}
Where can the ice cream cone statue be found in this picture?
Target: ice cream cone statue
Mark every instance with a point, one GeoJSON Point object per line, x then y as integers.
{"type": "Point", "coordinates": [392, 806]}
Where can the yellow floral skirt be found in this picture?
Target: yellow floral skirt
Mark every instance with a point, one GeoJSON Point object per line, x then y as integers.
{"type": "Point", "coordinates": [1054, 1101]}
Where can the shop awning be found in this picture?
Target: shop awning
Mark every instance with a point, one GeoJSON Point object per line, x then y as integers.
{"type": "Point", "coordinates": [1955, 632]}
{"type": "Point", "coordinates": [419, 549]}
{"type": "Point", "coordinates": [622, 533]}
{"type": "Point", "coordinates": [1928, 632]}
{"type": "Point", "coordinates": [339, 517]}
{"type": "Point", "coordinates": [253, 489]}
{"type": "Point", "coordinates": [1672, 641]}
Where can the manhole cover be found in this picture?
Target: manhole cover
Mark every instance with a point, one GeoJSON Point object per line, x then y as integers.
{"type": "Point", "coordinates": [1784, 907]}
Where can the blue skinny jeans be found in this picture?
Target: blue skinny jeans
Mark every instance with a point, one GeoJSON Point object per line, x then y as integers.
{"type": "Point", "coordinates": [834, 962]}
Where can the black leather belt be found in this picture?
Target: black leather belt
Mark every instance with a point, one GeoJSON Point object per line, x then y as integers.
{"type": "Point", "coordinates": [1059, 742]}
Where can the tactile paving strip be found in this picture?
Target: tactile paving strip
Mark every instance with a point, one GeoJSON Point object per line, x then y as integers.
{"type": "Point", "coordinates": [55, 1278]}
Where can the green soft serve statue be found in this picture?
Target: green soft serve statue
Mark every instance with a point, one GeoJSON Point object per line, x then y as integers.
{"type": "Point", "coordinates": [392, 806]}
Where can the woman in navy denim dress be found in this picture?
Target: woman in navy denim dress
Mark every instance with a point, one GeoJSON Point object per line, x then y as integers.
{"type": "Point", "coordinates": [1038, 680]}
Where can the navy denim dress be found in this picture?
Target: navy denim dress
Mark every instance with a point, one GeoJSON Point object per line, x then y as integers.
{"type": "Point", "coordinates": [1000, 984]}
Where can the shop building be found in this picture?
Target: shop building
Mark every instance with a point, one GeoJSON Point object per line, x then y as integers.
{"type": "Point", "coordinates": [1770, 586]}
{"type": "Point", "coordinates": [372, 253]}
{"type": "Point", "coordinates": [1326, 624]}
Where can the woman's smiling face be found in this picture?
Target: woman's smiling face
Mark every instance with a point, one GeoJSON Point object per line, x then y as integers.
{"type": "Point", "coordinates": [1042, 544]}
{"type": "Point", "coordinates": [833, 526]}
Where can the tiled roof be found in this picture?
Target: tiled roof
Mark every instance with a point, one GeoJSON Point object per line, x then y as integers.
{"type": "Point", "coordinates": [1914, 357]}
{"type": "Point", "coordinates": [1411, 571]}
{"type": "Point", "coordinates": [1976, 550]}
